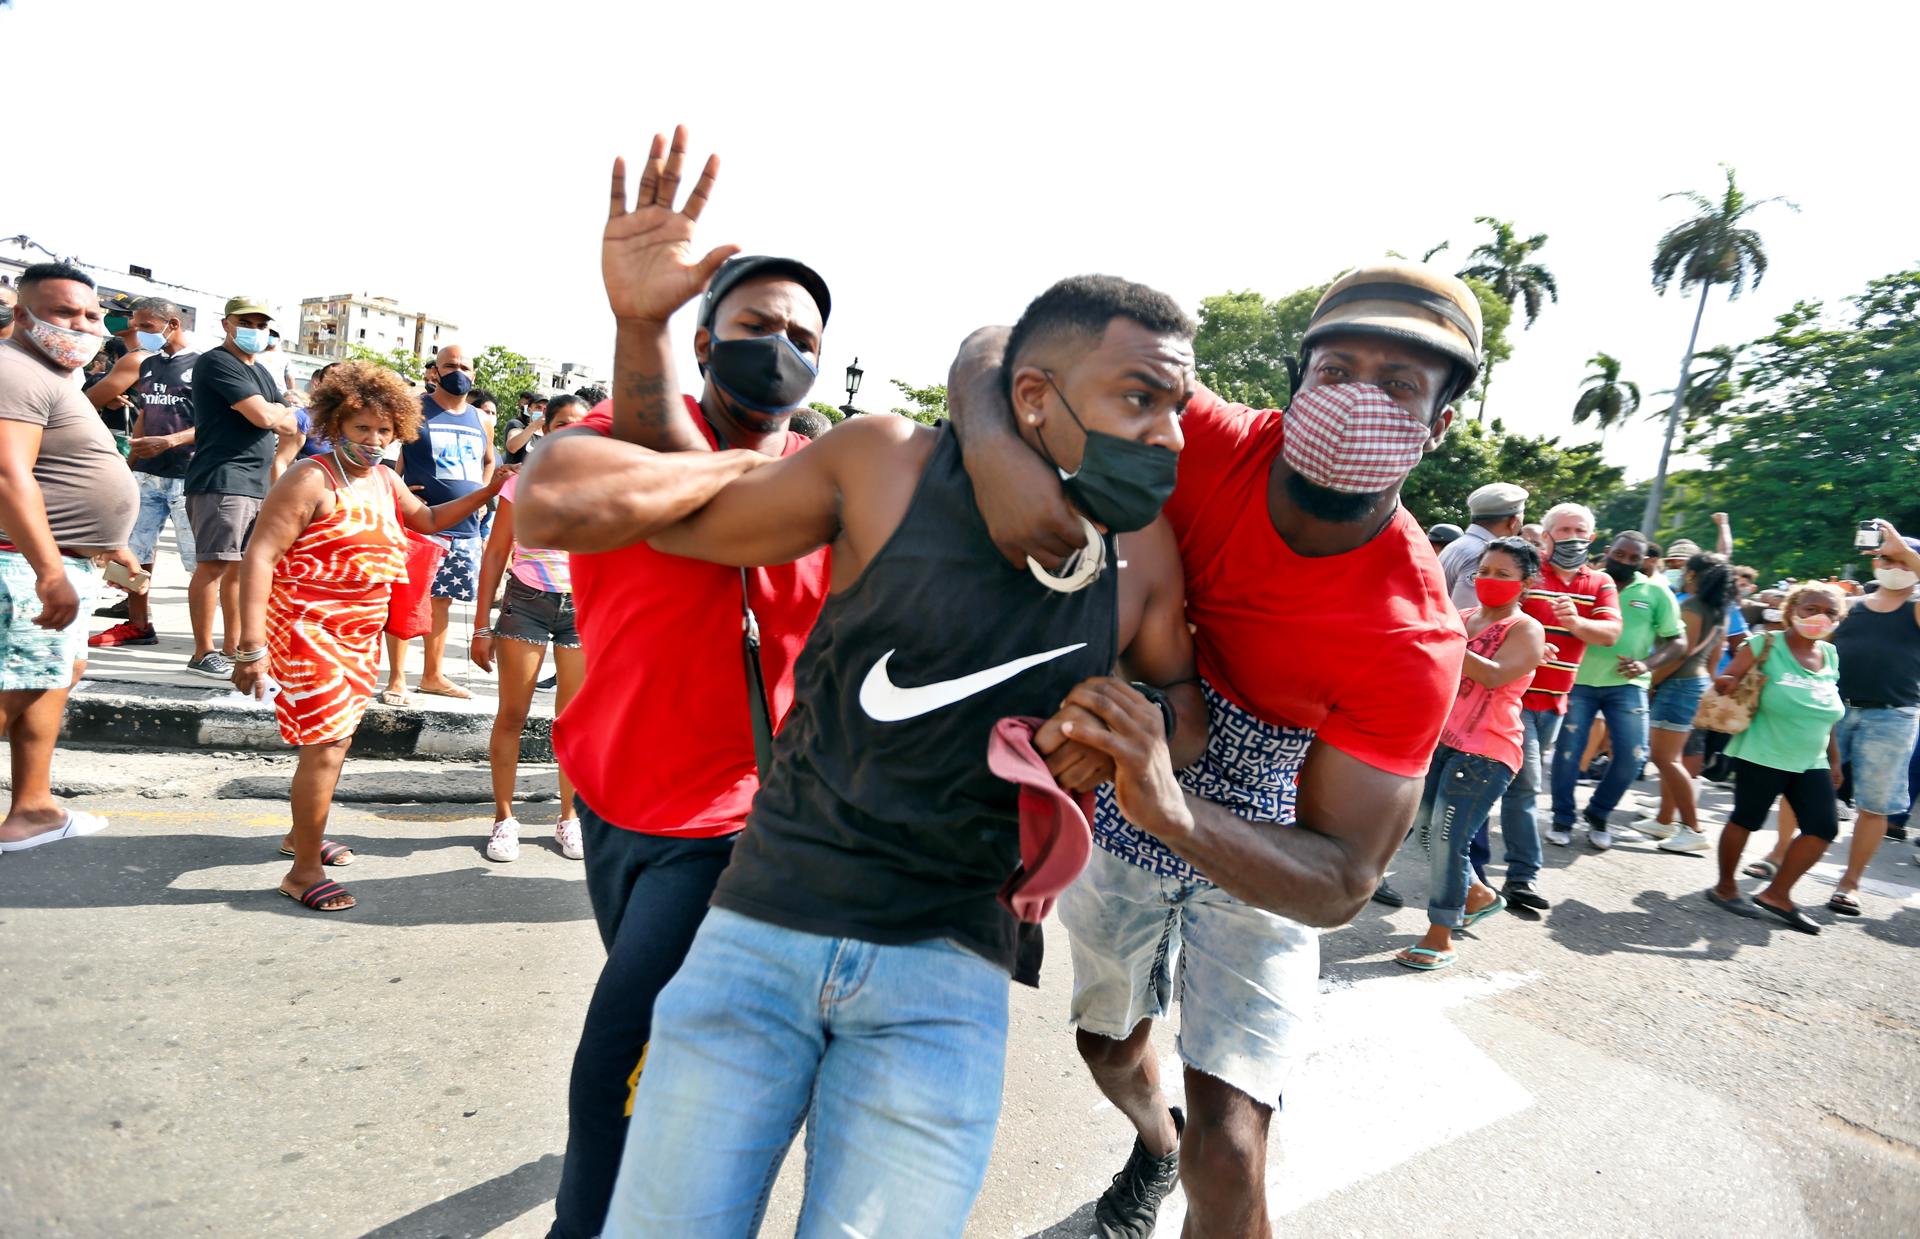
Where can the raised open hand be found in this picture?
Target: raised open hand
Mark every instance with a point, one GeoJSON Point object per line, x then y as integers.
{"type": "Point", "coordinates": [646, 254]}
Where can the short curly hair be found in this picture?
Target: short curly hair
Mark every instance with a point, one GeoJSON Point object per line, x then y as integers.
{"type": "Point", "coordinates": [352, 387]}
{"type": "Point", "coordinates": [1839, 596]}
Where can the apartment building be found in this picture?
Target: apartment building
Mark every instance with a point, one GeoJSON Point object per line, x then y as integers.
{"type": "Point", "coordinates": [328, 325]}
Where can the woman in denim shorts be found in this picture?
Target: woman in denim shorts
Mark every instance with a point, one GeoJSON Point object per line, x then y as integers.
{"type": "Point", "coordinates": [1880, 682]}
{"type": "Point", "coordinates": [536, 611]}
{"type": "Point", "coordinates": [1706, 594]}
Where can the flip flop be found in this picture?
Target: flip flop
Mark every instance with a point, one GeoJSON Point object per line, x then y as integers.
{"type": "Point", "coordinates": [78, 823]}
{"type": "Point", "coordinates": [330, 853]}
{"type": "Point", "coordinates": [1794, 917]}
{"type": "Point", "coordinates": [1844, 904]}
{"type": "Point", "coordinates": [1441, 959]}
{"type": "Point", "coordinates": [392, 698]}
{"type": "Point", "coordinates": [318, 894]}
{"type": "Point", "coordinates": [1495, 908]}
{"type": "Point", "coordinates": [1762, 869]}
{"type": "Point", "coordinates": [1740, 905]}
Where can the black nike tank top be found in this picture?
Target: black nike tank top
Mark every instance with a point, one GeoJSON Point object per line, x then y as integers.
{"type": "Point", "coordinates": [880, 820]}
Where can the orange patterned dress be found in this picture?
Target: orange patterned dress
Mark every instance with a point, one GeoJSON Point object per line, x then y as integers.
{"type": "Point", "coordinates": [328, 608]}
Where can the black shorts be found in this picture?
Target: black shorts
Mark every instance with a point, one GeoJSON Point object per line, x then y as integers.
{"type": "Point", "coordinates": [536, 616]}
{"type": "Point", "coordinates": [1809, 793]}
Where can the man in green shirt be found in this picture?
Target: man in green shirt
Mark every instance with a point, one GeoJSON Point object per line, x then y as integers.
{"type": "Point", "coordinates": [1612, 682]}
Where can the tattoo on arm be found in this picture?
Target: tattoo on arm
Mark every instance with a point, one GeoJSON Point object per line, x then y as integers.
{"type": "Point", "coordinates": [649, 394]}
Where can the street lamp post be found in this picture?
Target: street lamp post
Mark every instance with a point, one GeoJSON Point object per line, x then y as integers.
{"type": "Point", "coordinates": [854, 375]}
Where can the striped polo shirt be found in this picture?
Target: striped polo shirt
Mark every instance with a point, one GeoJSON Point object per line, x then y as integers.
{"type": "Point", "coordinates": [1594, 598]}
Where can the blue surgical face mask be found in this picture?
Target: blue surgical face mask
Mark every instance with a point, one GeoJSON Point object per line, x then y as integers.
{"type": "Point", "coordinates": [1675, 576]}
{"type": "Point", "coordinates": [251, 340]}
{"type": "Point", "coordinates": [151, 341]}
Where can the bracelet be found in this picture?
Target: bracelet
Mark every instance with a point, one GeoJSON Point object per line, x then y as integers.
{"type": "Point", "coordinates": [483, 632]}
{"type": "Point", "coordinates": [250, 656]}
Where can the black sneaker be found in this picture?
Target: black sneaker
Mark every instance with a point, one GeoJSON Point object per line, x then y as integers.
{"type": "Point", "coordinates": [549, 684]}
{"type": "Point", "coordinates": [1896, 830]}
{"type": "Point", "coordinates": [1127, 1208]}
{"type": "Point", "coordinates": [116, 610]}
{"type": "Point", "coordinates": [1385, 894]}
{"type": "Point", "coordinates": [1522, 895]}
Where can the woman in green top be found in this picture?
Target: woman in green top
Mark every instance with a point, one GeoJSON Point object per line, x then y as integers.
{"type": "Point", "coordinates": [1787, 750]}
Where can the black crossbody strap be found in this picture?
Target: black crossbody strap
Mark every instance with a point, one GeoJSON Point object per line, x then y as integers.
{"type": "Point", "coordinates": [758, 711]}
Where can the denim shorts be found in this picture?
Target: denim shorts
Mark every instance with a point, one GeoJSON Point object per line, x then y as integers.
{"type": "Point", "coordinates": [32, 658]}
{"type": "Point", "coordinates": [1674, 702]}
{"type": "Point", "coordinates": [1878, 744]}
{"type": "Point", "coordinates": [536, 616]}
{"type": "Point", "coordinates": [161, 499]}
{"type": "Point", "coordinates": [1245, 978]}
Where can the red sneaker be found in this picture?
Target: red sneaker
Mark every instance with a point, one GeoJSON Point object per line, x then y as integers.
{"type": "Point", "coordinates": [124, 634]}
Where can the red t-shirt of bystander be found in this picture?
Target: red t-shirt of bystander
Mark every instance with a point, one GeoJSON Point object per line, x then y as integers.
{"type": "Point", "coordinates": [659, 739]}
{"type": "Point", "coordinates": [1363, 648]}
{"type": "Point", "coordinates": [1594, 597]}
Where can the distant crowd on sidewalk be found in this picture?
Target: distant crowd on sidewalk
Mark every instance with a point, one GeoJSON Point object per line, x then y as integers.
{"type": "Point", "coordinates": [840, 723]}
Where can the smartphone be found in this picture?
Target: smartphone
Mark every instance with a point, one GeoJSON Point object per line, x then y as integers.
{"type": "Point", "coordinates": [117, 573]}
{"type": "Point", "coordinates": [1868, 537]}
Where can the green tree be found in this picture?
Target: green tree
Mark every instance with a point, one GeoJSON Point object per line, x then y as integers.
{"type": "Point", "coordinates": [1495, 315]}
{"type": "Point", "coordinates": [1712, 248]}
{"type": "Point", "coordinates": [1506, 264]}
{"type": "Point", "coordinates": [1824, 433]}
{"type": "Point", "coordinates": [1606, 397]}
{"type": "Point", "coordinates": [929, 404]}
{"type": "Point", "coordinates": [402, 361]}
{"type": "Point", "coordinates": [1710, 388]}
{"type": "Point", "coordinates": [1475, 453]}
{"type": "Point", "coordinates": [1244, 343]}
{"type": "Point", "coordinates": [832, 414]}
{"type": "Point", "coordinates": [505, 373]}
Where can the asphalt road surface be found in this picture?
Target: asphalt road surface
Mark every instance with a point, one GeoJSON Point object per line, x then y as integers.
{"type": "Point", "coordinates": [185, 1052]}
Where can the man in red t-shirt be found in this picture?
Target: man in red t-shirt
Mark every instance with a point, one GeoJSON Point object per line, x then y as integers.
{"type": "Point", "coordinates": [660, 740]}
{"type": "Point", "coordinates": [1329, 655]}
{"type": "Point", "coordinates": [1578, 606]}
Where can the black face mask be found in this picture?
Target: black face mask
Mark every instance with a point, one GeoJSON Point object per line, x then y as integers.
{"type": "Point", "coordinates": [1122, 483]}
{"type": "Point", "coordinates": [458, 382]}
{"type": "Point", "coordinates": [1570, 553]}
{"type": "Point", "coordinates": [764, 374]}
{"type": "Point", "coordinates": [6, 315]}
{"type": "Point", "coordinates": [1622, 574]}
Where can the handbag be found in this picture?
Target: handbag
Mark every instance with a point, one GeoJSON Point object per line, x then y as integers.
{"type": "Point", "coordinates": [410, 607]}
{"type": "Point", "coordinates": [1733, 713]}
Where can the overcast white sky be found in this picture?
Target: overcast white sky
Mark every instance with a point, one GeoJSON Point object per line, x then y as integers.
{"type": "Point", "coordinates": [942, 164]}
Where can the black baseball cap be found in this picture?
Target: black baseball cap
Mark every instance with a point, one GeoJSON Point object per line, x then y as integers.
{"type": "Point", "coordinates": [743, 267]}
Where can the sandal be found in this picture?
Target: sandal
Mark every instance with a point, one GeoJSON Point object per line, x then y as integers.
{"type": "Point", "coordinates": [452, 690]}
{"type": "Point", "coordinates": [1762, 869]}
{"type": "Point", "coordinates": [1495, 908]}
{"type": "Point", "coordinates": [1844, 904]}
{"type": "Point", "coordinates": [1739, 905]}
{"type": "Point", "coordinates": [1440, 959]}
{"type": "Point", "coordinates": [330, 853]}
{"type": "Point", "coordinates": [319, 893]}
{"type": "Point", "coordinates": [1794, 917]}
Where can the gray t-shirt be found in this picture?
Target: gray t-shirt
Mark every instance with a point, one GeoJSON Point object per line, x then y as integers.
{"type": "Point", "coordinates": [89, 492]}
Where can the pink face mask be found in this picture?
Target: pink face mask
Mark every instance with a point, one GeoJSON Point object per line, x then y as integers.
{"type": "Point", "coordinates": [1351, 438]}
{"type": "Point", "coordinates": [1814, 627]}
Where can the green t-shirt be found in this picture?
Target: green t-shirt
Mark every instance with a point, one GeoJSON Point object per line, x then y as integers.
{"type": "Point", "coordinates": [1648, 613]}
{"type": "Point", "coordinates": [1797, 710]}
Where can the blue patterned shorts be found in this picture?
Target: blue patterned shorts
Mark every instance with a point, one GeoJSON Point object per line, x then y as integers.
{"type": "Point", "coordinates": [32, 658]}
{"type": "Point", "coordinates": [460, 570]}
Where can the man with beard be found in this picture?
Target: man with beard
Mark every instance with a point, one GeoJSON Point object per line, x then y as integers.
{"type": "Point", "coordinates": [1328, 654]}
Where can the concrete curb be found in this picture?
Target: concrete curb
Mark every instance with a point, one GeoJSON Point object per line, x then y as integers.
{"type": "Point", "coordinates": [167, 716]}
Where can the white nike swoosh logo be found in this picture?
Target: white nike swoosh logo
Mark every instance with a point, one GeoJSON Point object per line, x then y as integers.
{"type": "Point", "coordinates": [886, 702]}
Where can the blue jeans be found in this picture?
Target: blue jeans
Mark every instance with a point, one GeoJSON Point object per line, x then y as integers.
{"type": "Point", "coordinates": [1625, 708]}
{"type": "Point", "coordinates": [1879, 744]}
{"type": "Point", "coordinates": [161, 499]}
{"type": "Point", "coordinates": [1519, 813]}
{"type": "Point", "coordinates": [893, 1055]}
{"type": "Point", "coordinates": [1462, 789]}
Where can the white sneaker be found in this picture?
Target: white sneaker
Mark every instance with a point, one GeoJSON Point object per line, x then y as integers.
{"type": "Point", "coordinates": [566, 833]}
{"type": "Point", "coordinates": [1685, 840]}
{"type": "Point", "coordinates": [504, 844]}
{"type": "Point", "coordinates": [1600, 837]}
{"type": "Point", "coordinates": [1653, 828]}
{"type": "Point", "coordinates": [1559, 836]}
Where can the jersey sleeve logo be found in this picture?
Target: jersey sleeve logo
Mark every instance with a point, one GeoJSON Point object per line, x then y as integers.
{"type": "Point", "coordinates": [886, 702]}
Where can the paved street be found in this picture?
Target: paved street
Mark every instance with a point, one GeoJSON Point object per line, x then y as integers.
{"type": "Point", "coordinates": [184, 1052]}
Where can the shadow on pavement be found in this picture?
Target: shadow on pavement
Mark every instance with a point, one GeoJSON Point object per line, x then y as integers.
{"type": "Point", "coordinates": [1683, 926]}
{"type": "Point", "coordinates": [1077, 1226]}
{"type": "Point", "coordinates": [1901, 929]}
{"type": "Point", "coordinates": [480, 1209]}
{"type": "Point", "coordinates": [131, 870]}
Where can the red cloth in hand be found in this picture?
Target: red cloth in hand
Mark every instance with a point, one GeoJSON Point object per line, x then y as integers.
{"type": "Point", "coordinates": [1055, 839]}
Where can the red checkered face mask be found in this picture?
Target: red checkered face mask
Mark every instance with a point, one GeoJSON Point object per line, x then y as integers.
{"type": "Point", "coordinates": [1352, 438]}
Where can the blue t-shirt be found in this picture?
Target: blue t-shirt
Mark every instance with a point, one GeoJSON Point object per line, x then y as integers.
{"type": "Point", "coordinates": [1736, 626]}
{"type": "Point", "coordinates": [448, 460]}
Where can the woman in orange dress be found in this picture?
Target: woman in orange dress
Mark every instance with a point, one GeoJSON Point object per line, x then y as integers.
{"type": "Point", "coordinates": [314, 587]}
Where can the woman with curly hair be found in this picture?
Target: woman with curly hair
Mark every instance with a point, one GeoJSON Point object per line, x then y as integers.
{"type": "Point", "coordinates": [1706, 596]}
{"type": "Point", "coordinates": [1787, 749]}
{"type": "Point", "coordinates": [314, 590]}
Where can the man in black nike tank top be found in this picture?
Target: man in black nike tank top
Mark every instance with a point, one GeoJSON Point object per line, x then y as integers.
{"type": "Point", "coordinates": [853, 971]}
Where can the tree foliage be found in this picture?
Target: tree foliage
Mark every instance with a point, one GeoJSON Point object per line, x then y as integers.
{"type": "Point", "coordinates": [927, 404]}
{"type": "Point", "coordinates": [1245, 341]}
{"type": "Point", "coordinates": [1476, 453]}
{"type": "Point", "coordinates": [1506, 265]}
{"type": "Point", "coordinates": [505, 373]}
{"type": "Point", "coordinates": [1606, 397]}
{"type": "Point", "coordinates": [402, 361]}
{"type": "Point", "coordinates": [1824, 433]}
{"type": "Point", "coordinates": [832, 414]}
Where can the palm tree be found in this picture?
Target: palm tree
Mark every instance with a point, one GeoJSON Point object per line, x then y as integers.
{"type": "Point", "coordinates": [1504, 265]}
{"type": "Point", "coordinates": [1711, 248]}
{"type": "Point", "coordinates": [1605, 396]}
{"type": "Point", "coordinates": [1710, 387]}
